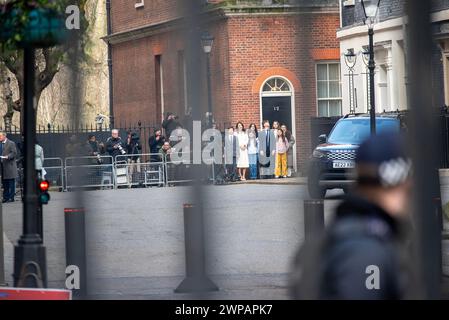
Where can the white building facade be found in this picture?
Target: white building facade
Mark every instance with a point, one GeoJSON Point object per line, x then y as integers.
{"type": "Point", "coordinates": [390, 46]}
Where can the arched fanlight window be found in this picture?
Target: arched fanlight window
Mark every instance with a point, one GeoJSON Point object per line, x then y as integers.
{"type": "Point", "coordinates": [276, 85]}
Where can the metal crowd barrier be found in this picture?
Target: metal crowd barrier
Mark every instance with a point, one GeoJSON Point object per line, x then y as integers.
{"type": "Point", "coordinates": [139, 170]}
{"type": "Point", "coordinates": [149, 169]}
{"type": "Point", "coordinates": [89, 172]}
{"type": "Point", "coordinates": [177, 171]}
{"type": "Point", "coordinates": [54, 168]}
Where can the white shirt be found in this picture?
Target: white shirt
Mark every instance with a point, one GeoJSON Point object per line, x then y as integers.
{"type": "Point", "coordinates": [252, 146]}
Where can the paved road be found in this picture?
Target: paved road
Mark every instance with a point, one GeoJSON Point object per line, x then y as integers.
{"type": "Point", "coordinates": [136, 239]}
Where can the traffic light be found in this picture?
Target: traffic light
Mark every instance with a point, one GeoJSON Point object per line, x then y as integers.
{"type": "Point", "coordinates": [44, 196]}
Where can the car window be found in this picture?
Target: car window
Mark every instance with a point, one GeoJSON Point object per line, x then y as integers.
{"type": "Point", "coordinates": [355, 131]}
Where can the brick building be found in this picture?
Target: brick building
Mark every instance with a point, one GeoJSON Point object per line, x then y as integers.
{"type": "Point", "coordinates": [269, 59]}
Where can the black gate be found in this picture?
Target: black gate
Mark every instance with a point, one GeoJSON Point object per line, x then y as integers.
{"type": "Point", "coordinates": [319, 126]}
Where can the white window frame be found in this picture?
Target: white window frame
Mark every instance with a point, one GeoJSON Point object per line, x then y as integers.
{"type": "Point", "coordinates": [327, 80]}
{"type": "Point", "coordinates": [139, 4]}
{"type": "Point", "coordinates": [184, 89]}
{"type": "Point", "coordinates": [161, 74]}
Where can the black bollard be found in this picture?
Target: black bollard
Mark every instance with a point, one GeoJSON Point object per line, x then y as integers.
{"type": "Point", "coordinates": [196, 279]}
{"type": "Point", "coordinates": [313, 218]}
{"type": "Point", "coordinates": [75, 245]}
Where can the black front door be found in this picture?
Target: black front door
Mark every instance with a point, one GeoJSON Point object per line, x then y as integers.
{"type": "Point", "coordinates": [277, 109]}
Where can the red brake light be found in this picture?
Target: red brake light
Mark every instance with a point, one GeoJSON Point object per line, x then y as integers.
{"type": "Point", "coordinates": [44, 185]}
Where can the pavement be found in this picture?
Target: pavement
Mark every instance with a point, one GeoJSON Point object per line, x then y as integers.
{"type": "Point", "coordinates": [279, 181]}
{"type": "Point", "coordinates": [135, 239]}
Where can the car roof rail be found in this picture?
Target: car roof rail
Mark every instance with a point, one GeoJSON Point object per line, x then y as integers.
{"type": "Point", "coordinates": [354, 115]}
{"type": "Point", "coordinates": [396, 112]}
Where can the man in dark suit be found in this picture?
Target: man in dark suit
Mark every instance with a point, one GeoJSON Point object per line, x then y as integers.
{"type": "Point", "coordinates": [267, 147]}
{"type": "Point", "coordinates": [8, 156]}
{"type": "Point", "coordinates": [230, 153]}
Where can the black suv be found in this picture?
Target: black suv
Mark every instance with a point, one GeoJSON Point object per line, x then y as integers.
{"type": "Point", "coordinates": [333, 160]}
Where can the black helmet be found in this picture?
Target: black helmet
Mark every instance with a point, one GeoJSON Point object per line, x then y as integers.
{"type": "Point", "coordinates": [383, 160]}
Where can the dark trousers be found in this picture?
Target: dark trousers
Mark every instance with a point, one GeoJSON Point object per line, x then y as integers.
{"type": "Point", "coordinates": [231, 169]}
{"type": "Point", "coordinates": [9, 189]}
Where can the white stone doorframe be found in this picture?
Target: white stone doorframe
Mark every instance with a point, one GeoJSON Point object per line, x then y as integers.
{"type": "Point", "coordinates": [291, 94]}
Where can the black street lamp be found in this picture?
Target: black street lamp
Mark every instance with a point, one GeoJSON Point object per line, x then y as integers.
{"type": "Point", "coordinates": [350, 61]}
{"type": "Point", "coordinates": [370, 8]}
{"type": "Point", "coordinates": [365, 58]}
{"type": "Point", "coordinates": [29, 28]}
{"type": "Point", "coordinates": [207, 41]}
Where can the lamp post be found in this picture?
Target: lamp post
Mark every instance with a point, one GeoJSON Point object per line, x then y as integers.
{"type": "Point", "coordinates": [207, 41]}
{"type": "Point", "coordinates": [365, 59]}
{"type": "Point", "coordinates": [350, 61]}
{"type": "Point", "coordinates": [370, 8]}
{"type": "Point", "coordinates": [35, 27]}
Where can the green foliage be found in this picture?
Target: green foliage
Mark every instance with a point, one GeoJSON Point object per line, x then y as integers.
{"type": "Point", "coordinates": [15, 17]}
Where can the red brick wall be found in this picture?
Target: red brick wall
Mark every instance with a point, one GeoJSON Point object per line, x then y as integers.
{"type": "Point", "coordinates": [246, 50]}
{"type": "Point", "coordinates": [220, 74]}
{"type": "Point", "coordinates": [125, 16]}
{"type": "Point", "coordinates": [293, 43]}
{"type": "Point", "coordinates": [134, 78]}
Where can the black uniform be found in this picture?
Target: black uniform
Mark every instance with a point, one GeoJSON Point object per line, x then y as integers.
{"type": "Point", "coordinates": [155, 147]}
{"type": "Point", "coordinates": [92, 148]}
{"type": "Point", "coordinates": [110, 143]}
{"type": "Point", "coordinates": [134, 147]}
{"type": "Point", "coordinates": [338, 265]}
{"type": "Point", "coordinates": [169, 126]}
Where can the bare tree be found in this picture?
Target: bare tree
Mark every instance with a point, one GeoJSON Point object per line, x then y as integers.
{"type": "Point", "coordinates": [47, 65]}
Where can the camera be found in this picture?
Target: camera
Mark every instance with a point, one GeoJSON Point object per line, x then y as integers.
{"type": "Point", "coordinates": [99, 160]}
{"type": "Point", "coordinates": [134, 137]}
{"type": "Point", "coordinates": [120, 148]}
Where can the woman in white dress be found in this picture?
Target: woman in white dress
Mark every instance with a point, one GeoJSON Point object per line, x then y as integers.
{"type": "Point", "coordinates": [242, 156]}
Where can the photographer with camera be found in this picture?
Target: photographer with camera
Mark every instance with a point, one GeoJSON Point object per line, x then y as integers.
{"type": "Point", "coordinates": [94, 149]}
{"type": "Point", "coordinates": [156, 142]}
{"type": "Point", "coordinates": [169, 124]}
{"type": "Point", "coordinates": [114, 145]}
{"type": "Point", "coordinates": [133, 148]}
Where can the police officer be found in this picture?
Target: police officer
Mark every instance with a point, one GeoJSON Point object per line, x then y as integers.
{"type": "Point", "coordinates": [363, 254]}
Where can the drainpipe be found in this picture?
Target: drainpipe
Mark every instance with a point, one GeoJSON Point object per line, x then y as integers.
{"type": "Point", "coordinates": [111, 96]}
